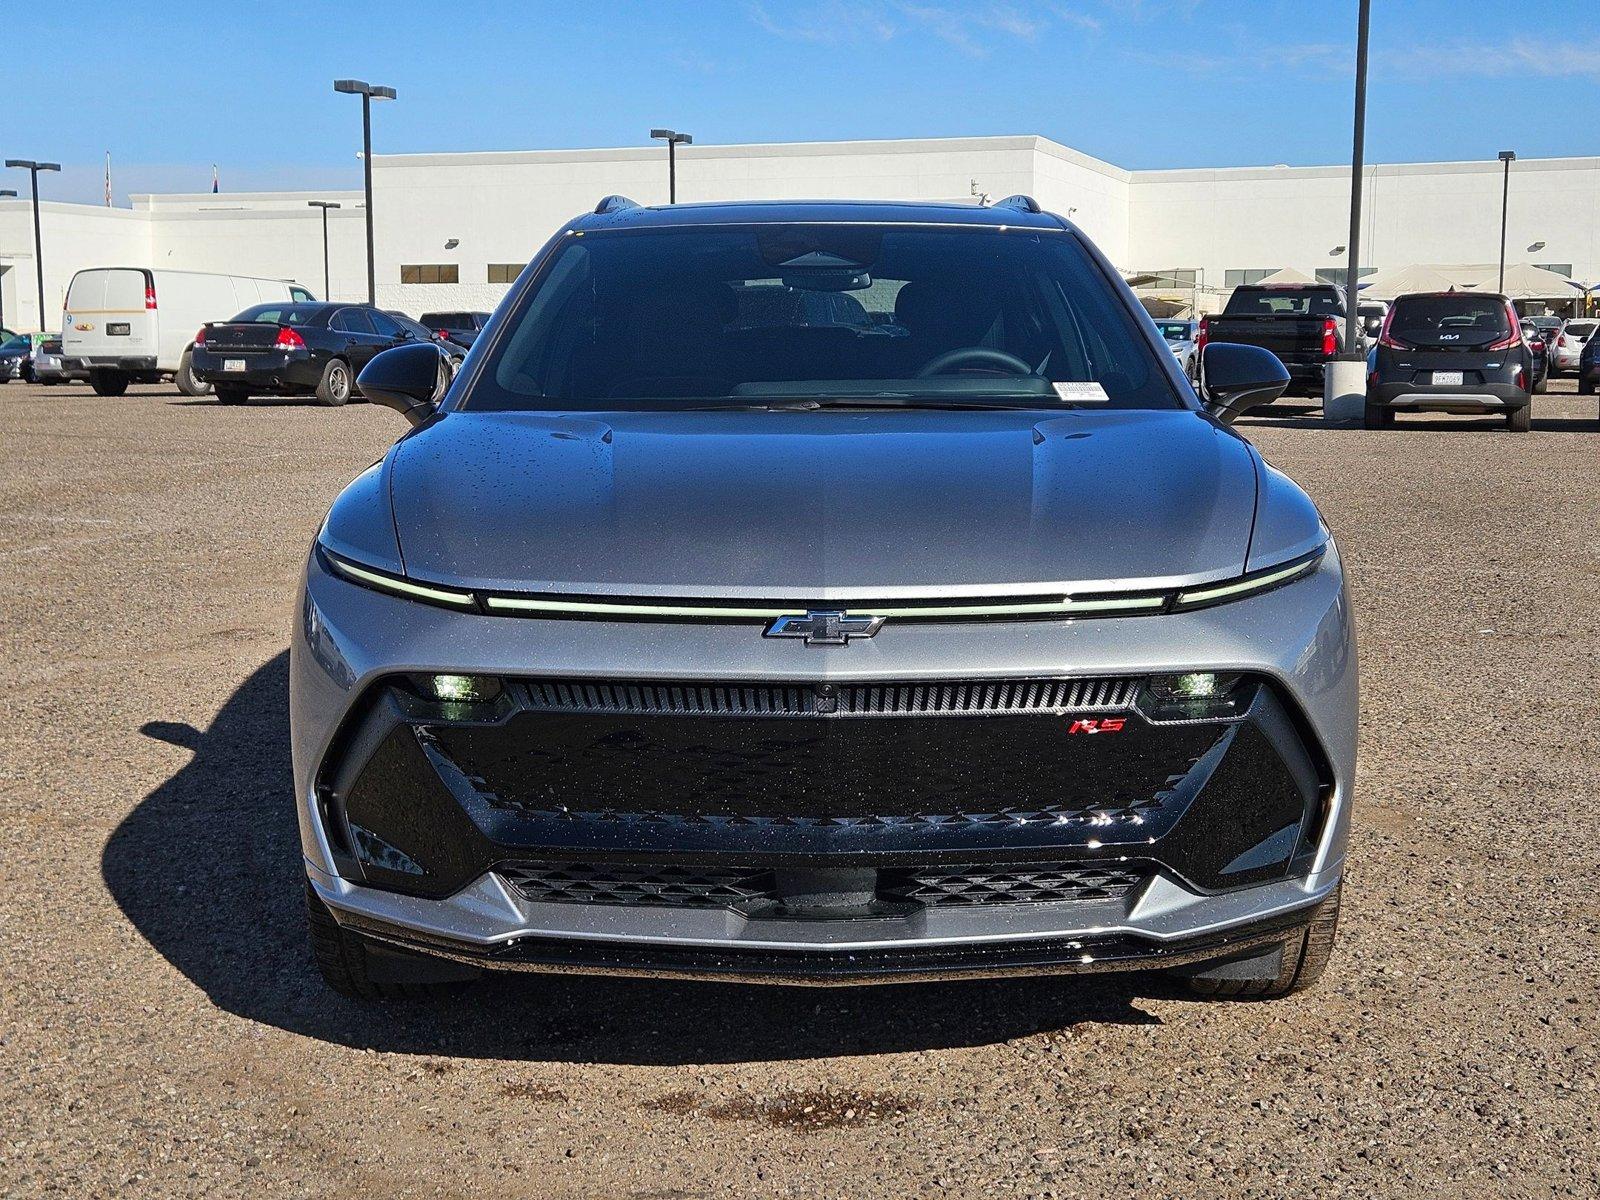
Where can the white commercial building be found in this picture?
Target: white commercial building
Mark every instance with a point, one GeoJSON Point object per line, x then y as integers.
{"type": "Point", "coordinates": [452, 230]}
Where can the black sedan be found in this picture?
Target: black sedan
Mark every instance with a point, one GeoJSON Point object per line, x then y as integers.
{"type": "Point", "coordinates": [312, 349]}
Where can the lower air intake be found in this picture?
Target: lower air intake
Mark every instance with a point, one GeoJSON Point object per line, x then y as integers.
{"type": "Point", "coordinates": [754, 890]}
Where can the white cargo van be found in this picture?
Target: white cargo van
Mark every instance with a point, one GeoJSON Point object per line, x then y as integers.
{"type": "Point", "coordinates": [130, 324]}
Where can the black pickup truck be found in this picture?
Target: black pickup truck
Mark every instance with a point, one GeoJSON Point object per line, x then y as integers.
{"type": "Point", "coordinates": [1303, 324]}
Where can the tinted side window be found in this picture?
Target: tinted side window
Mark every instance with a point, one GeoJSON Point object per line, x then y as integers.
{"type": "Point", "coordinates": [383, 324]}
{"type": "Point", "coordinates": [353, 320]}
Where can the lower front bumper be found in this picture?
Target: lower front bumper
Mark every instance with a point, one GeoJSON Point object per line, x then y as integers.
{"type": "Point", "coordinates": [1165, 926]}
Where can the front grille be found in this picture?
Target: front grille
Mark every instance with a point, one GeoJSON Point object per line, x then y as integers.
{"type": "Point", "coordinates": [997, 755]}
{"type": "Point", "coordinates": [865, 699]}
{"type": "Point", "coordinates": [752, 890]}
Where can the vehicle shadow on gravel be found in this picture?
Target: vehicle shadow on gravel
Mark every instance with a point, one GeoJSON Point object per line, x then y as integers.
{"type": "Point", "coordinates": [207, 868]}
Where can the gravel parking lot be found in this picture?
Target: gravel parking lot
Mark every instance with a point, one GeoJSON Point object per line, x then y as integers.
{"type": "Point", "coordinates": [162, 1032]}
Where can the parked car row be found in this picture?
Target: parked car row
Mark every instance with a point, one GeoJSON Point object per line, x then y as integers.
{"type": "Point", "coordinates": [123, 325]}
{"type": "Point", "coordinates": [309, 349]}
{"type": "Point", "coordinates": [1457, 351]}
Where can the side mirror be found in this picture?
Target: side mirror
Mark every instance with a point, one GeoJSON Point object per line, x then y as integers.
{"type": "Point", "coordinates": [404, 378]}
{"type": "Point", "coordinates": [1374, 326]}
{"type": "Point", "coordinates": [1234, 378]}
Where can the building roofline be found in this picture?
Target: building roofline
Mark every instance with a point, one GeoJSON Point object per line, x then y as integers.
{"type": "Point", "coordinates": [994, 142]}
{"type": "Point", "coordinates": [1443, 167]}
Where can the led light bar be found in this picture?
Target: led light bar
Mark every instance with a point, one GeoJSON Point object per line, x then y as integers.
{"type": "Point", "coordinates": [1250, 585]}
{"type": "Point", "coordinates": [397, 586]}
{"type": "Point", "coordinates": [601, 608]}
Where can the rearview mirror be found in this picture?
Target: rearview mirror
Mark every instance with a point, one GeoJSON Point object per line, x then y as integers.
{"type": "Point", "coordinates": [405, 379]}
{"type": "Point", "coordinates": [1234, 378]}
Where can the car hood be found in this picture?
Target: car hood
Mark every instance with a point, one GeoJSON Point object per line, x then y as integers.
{"type": "Point", "coordinates": [822, 505]}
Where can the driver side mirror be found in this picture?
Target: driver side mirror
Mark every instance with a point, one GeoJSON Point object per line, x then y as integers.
{"type": "Point", "coordinates": [1234, 378]}
{"type": "Point", "coordinates": [404, 378]}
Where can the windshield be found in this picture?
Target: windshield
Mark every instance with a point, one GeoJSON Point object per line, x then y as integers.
{"type": "Point", "coordinates": [1453, 319]}
{"type": "Point", "coordinates": [1174, 331]}
{"type": "Point", "coordinates": [843, 313]}
{"type": "Point", "coordinates": [20, 342]}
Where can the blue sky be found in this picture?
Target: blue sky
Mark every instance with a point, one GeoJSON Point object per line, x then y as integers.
{"type": "Point", "coordinates": [171, 87]}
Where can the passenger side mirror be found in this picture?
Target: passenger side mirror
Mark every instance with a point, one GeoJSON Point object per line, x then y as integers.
{"type": "Point", "coordinates": [404, 378]}
{"type": "Point", "coordinates": [1234, 378]}
{"type": "Point", "coordinates": [1373, 326]}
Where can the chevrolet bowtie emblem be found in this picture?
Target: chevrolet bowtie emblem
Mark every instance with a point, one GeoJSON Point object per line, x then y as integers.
{"type": "Point", "coordinates": [825, 627]}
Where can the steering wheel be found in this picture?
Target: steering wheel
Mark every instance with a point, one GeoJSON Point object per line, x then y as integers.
{"type": "Point", "coordinates": [970, 356]}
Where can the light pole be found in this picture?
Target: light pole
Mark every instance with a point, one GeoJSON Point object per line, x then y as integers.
{"type": "Point", "coordinates": [674, 139]}
{"type": "Point", "coordinates": [325, 205]}
{"type": "Point", "coordinates": [4, 193]}
{"type": "Point", "coordinates": [33, 169]}
{"type": "Point", "coordinates": [368, 93]}
{"type": "Point", "coordinates": [1507, 157]}
{"type": "Point", "coordinates": [1344, 394]}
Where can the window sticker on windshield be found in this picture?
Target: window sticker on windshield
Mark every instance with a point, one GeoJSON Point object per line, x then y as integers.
{"type": "Point", "coordinates": [1079, 391]}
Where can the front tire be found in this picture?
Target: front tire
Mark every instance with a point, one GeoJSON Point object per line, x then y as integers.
{"type": "Point", "coordinates": [1377, 416]}
{"type": "Point", "coordinates": [108, 383]}
{"type": "Point", "coordinates": [1520, 420]}
{"type": "Point", "coordinates": [1305, 958]}
{"type": "Point", "coordinates": [186, 380]}
{"type": "Point", "coordinates": [334, 387]}
{"type": "Point", "coordinates": [232, 394]}
{"type": "Point", "coordinates": [348, 965]}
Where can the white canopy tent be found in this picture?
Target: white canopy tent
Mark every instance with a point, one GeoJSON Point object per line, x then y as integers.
{"type": "Point", "coordinates": [1397, 281]}
{"type": "Point", "coordinates": [1288, 275]}
{"type": "Point", "coordinates": [1524, 281]}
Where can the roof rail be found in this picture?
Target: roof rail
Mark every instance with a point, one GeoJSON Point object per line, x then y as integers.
{"type": "Point", "coordinates": [613, 204]}
{"type": "Point", "coordinates": [1026, 203]}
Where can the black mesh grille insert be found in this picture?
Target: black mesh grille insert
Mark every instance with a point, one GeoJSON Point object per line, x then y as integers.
{"type": "Point", "coordinates": [804, 700]}
{"type": "Point", "coordinates": [609, 883]}
{"type": "Point", "coordinates": [751, 890]}
{"type": "Point", "coordinates": [964, 886]}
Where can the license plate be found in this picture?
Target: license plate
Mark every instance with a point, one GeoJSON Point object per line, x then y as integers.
{"type": "Point", "coordinates": [1447, 379]}
{"type": "Point", "coordinates": [120, 329]}
{"type": "Point", "coordinates": [233, 364]}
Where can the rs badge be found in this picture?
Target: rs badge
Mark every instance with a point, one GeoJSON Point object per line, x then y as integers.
{"type": "Point", "coordinates": [1097, 725]}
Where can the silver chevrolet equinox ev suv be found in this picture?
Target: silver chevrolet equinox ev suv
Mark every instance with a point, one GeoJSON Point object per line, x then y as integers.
{"type": "Point", "coordinates": [824, 593]}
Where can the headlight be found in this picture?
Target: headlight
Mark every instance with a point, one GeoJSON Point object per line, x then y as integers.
{"type": "Point", "coordinates": [1252, 584]}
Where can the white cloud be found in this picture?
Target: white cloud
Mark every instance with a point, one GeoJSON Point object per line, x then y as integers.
{"type": "Point", "coordinates": [974, 27]}
{"type": "Point", "coordinates": [832, 23]}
